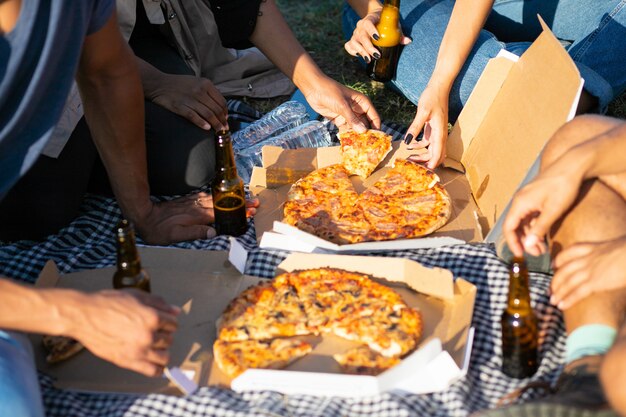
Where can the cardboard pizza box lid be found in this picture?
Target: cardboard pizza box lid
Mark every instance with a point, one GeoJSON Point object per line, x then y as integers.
{"type": "Point", "coordinates": [516, 106]}
{"type": "Point", "coordinates": [204, 282]}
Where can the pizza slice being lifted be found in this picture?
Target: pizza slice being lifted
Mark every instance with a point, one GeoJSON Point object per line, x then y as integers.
{"type": "Point", "coordinates": [362, 152]}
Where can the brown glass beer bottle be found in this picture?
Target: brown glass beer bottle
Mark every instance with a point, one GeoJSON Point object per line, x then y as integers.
{"type": "Point", "coordinates": [388, 44]}
{"type": "Point", "coordinates": [129, 273]}
{"type": "Point", "coordinates": [519, 326]}
{"type": "Point", "coordinates": [229, 201]}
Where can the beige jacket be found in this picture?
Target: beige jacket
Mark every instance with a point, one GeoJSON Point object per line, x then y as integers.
{"type": "Point", "coordinates": [192, 28]}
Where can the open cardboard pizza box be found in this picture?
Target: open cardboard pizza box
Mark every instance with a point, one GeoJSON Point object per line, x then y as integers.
{"type": "Point", "coordinates": [204, 282]}
{"type": "Point", "coordinates": [516, 106]}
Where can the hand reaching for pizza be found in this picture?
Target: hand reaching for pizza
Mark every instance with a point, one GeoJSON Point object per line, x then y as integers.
{"type": "Point", "coordinates": [432, 118]}
{"type": "Point", "coordinates": [129, 328]}
{"type": "Point", "coordinates": [347, 108]}
{"type": "Point", "coordinates": [538, 205]}
{"type": "Point", "coordinates": [587, 268]}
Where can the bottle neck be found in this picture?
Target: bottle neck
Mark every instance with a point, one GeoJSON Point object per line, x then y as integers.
{"type": "Point", "coordinates": [389, 25]}
{"type": "Point", "coordinates": [224, 155]}
{"type": "Point", "coordinates": [127, 255]}
{"type": "Point", "coordinates": [519, 291]}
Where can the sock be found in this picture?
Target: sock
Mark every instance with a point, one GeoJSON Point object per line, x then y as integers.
{"type": "Point", "coordinates": [591, 339]}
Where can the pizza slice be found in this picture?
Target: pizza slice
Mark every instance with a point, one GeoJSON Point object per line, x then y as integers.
{"type": "Point", "coordinates": [361, 153]}
{"type": "Point", "coordinates": [362, 360]}
{"type": "Point", "coordinates": [233, 358]}
{"type": "Point", "coordinates": [333, 179]}
{"type": "Point", "coordinates": [60, 348]}
{"type": "Point", "coordinates": [263, 312]}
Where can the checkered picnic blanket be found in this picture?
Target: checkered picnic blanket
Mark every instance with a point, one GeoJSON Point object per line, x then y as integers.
{"type": "Point", "coordinates": [88, 243]}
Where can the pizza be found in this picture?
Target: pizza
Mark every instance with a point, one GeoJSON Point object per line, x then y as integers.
{"type": "Point", "coordinates": [407, 202]}
{"type": "Point", "coordinates": [234, 358]}
{"type": "Point", "coordinates": [60, 348]}
{"type": "Point", "coordinates": [264, 326]}
{"type": "Point", "coordinates": [362, 152]}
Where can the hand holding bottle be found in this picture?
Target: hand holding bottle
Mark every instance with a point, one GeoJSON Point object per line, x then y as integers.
{"type": "Point", "coordinates": [360, 44]}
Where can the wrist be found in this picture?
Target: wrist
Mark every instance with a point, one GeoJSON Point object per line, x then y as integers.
{"type": "Point", "coordinates": [65, 310]}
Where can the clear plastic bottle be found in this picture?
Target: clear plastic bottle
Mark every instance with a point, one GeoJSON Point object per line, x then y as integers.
{"type": "Point", "coordinates": [284, 117]}
{"type": "Point", "coordinates": [313, 134]}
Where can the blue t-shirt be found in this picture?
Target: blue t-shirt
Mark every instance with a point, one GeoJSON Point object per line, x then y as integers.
{"type": "Point", "coordinates": [38, 61]}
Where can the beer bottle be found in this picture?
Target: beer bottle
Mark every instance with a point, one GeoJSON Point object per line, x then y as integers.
{"type": "Point", "coordinates": [129, 273]}
{"type": "Point", "coordinates": [519, 326]}
{"type": "Point", "coordinates": [229, 201]}
{"type": "Point", "coordinates": [388, 44]}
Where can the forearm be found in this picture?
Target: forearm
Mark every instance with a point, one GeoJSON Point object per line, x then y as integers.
{"type": "Point", "coordinates": [113, 104]}
{"type": "Point", "coordinates": [466, 21]}
{"type": "Point", "coordinates": [365, 7]}
{"type": "Point", "coordinates": [151, 78]}
{"type": "Point", "coordinates": [275, 39]}
{"type": "Point", "coordinates": [33, 310]}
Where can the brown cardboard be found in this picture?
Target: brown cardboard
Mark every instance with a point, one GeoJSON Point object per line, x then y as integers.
{"type": "Point", "coordinates": [512, 112]}
{"type": "Point", "coordinates": [203, 283]}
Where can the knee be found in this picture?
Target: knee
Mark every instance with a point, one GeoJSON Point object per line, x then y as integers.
{"type": "Point", "coordinates": [578, 130]}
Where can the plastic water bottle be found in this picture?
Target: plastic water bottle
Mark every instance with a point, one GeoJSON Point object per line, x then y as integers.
{"type": "Point", "coordinates": [284, 117]}
{"type": "Point", "coordinates": [313, 134]}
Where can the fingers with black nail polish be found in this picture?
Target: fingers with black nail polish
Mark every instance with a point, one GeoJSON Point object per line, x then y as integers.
{"type": "Point", "coordinates": [376, 55]}
{"type": "Point", "coordinates": [367, 59]}
{"type": "Point", "coordinates": [375, 36]}
{"type": "Point", "coordinates": [408, 138]}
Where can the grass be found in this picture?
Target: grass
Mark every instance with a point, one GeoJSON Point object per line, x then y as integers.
{"type": "Point", "coordinates": [317, 25]}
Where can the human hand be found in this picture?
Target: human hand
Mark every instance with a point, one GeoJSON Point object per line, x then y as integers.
{"type": "Point", "coordinates": [181, 219]}
{"type": "Point", "coordinates": [537, 206]}
{"type": "Point", "coordinates": [193, 98]}
{"type": "Point", "coordinates": [346, 107]}
{"type": "Point", "coordinates": [129, 328]}
{"type": "Point", "coordinates": [432, 117]}
{"type": "Point", "coordinates": [587, 268]}
{"type": "Point", "coordinates": [360, 44]}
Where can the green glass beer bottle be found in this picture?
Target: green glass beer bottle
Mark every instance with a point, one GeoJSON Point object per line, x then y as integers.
{"type": "Point", "coordinates": [229, 202]}
{"type": "Point", "coordinates": [388, 44]}
{"type": "Point", "coordinates": [519, 326]}
{"type": "Point", "coordinates": [129, 273]}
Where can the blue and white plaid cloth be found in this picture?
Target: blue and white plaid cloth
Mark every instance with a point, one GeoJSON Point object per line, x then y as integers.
{"type": "Point", "coordinates": [88, 243]}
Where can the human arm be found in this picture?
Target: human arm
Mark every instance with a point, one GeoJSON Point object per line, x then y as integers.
{"type": "Point", "coordinates": [613, 373]}
{"type": "Point", "coordinates": [467, 19]}
{"type": "Point", "coordinates": [128, 328]}
{"type": "Point", "coordinates": [194, 98]}
{"type": "Point", "coordinates": [539, 204]}
{"type": "Point", "coordinates": [346, 107]}
{"type": "Point", "coordinates": [113, 102]}
{"type": "Point", "coordinates": [360, 44]}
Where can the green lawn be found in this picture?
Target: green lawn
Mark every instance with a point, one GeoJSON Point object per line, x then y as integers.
{"type": "Point", "coordinates": [317, 24]}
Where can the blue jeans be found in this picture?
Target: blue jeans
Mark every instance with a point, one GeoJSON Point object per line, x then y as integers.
{"type": "Point", "coordinates": [19, 387]}
{"type": "Point", "coordinates": [592, 31]}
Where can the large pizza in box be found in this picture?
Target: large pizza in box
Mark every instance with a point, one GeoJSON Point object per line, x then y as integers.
{"type": "Point", "coordinates": [264, 327]}
{"type": "Point", "coordinates": [407, 202]}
